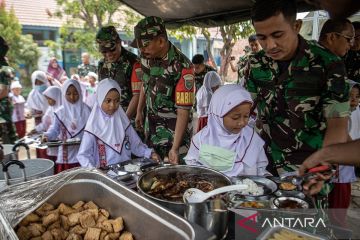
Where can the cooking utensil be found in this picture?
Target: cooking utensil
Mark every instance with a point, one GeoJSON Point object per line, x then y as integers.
{"type": "Point", "coordinates": [298, 180]}
{"type": "Point", "coordinates": [146, 180]}
{"type": "Point", "coordinates": [194, 195]}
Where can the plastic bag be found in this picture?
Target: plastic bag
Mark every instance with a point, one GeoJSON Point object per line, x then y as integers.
{"type": "Point", "coordinates": [17, 201]}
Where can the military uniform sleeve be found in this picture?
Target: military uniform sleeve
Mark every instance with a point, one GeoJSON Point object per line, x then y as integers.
{"type": "Point", "coordinates": [250, 84]}
{"type": "Point", "coordinates": [136, 78]}
{"type": "Point", "coordinates": [185, 89]}
{"type": "Point", "coordinates": [336, 94]}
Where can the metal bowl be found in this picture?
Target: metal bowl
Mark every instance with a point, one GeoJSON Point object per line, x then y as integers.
{"type": "Point", "coordinates": [268, 185]}
{"type": "Point", "coordinates": [146, 180]}
{"type": "Point", "coordinates": [276, 203]}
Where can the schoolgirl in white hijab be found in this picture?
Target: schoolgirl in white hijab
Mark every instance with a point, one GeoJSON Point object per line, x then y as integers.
{"type": "Point", "coordinates": [53, 97]}
{"type": "Point", "coordinates": [109, 137]}
{"type": "Point", "coordinates": [36, 100]}
{"type": "Point", "coordinates": [227, 143]}
{"type": "Point", "coordinates": [212, 81]}
{"type": "Point", "coordinates": [69, 122]}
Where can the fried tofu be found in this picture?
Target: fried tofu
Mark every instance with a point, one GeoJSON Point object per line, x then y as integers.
{"type": "Point", "coordinates": [92, 234]}
{"type": "Point", "coordinates": [126, 236]}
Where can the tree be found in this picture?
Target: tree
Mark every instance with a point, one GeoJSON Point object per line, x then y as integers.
{"type": "Point", "coordinates": [230, 35]}
{"type": "Point", "coordinates": [85, 17]}
{"type": "Point", "coordinates": [23, 50]}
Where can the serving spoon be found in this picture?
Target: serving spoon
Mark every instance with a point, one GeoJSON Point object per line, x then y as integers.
{"type": "Point", "coordinates": [195, 195]}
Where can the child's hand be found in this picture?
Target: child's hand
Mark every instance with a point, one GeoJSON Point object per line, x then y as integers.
{"type": "Point", "coordinates": [44, 138]}
{"type": "Point", "coordinates": [156, 157]}
{"type": "Point", "coordinates": [33, 132]}
{"type": "Point", "coordinates": [174, 156]}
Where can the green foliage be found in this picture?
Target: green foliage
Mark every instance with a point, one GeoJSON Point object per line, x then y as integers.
{"type": "Point", "coordinates": [29, 56]}
{"type": "Point", "coordinates": [84, 18]}
{"type": "Point", "coordinates": [10, 30]}
{"type": "Point", "coordinates": [23, 50]}
{"type": "Point", "coordinates": [184, 32]}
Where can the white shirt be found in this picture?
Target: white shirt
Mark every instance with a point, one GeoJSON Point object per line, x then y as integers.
{"type": "Point", "coordinates": [55, 132]}
{"type": "Point", "coordinates": [19, 108]}
{"type": "Point", "coordinates": [88, 155]}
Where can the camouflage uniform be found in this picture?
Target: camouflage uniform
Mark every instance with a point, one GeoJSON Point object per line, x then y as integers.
{"type": "Point", "coordinates": [168, 85]}
{"type": "Point", "coordinates": [6, 126]}
{"type": "Point", "coordinates": [352, 63]}
{"type": "Point", "coordinates": [84, 69]}
{"type": "Point", "coordinates": [199, 77]}
{"type": "Point", "coordinates": [241, 64]}
{"type": "Point", "coordinates": [294, 105]}
{"type": "Point", "coordinates": [126, 70]}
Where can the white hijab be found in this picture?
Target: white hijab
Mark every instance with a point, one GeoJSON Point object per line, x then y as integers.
{"type": "Point", "coordinates": [17, 99]}
{"type": "Point", "coordinates": [203, 96]}
{"type": "Point", "coordinates": [73, 116]}
{"type": "Point", "coordinates": [36, 99]}
{"type": "Point", "coordinates": [54, 93]}
{"type": "Point", "coordinates": [222, 102]}
{"type": "Point", "coordinates": [110, 129]}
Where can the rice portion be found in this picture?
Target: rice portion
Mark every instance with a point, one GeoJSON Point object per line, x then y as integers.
{"type": "Point", "coordinates": [253, 189]}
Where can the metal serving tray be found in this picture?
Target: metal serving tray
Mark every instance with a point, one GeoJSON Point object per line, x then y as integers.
{"type": "Point", "coordinates": [269, 233]}
{"type": "Point", "coordinates": [143, 218]}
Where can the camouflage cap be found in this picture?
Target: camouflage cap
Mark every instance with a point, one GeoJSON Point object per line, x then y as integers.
{"type": "Point", "coordinates": [107, 37]}
{"type": "Point", "coordinates": [147, 29]}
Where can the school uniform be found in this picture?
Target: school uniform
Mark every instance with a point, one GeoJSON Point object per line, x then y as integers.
{"type": "Point", "coordinates": [215, 147]}
{"type": "Point", "coordinates": [36, 100]}
{"type": "Point", "coordinates": [18, 116]}
{"type": "Point", "coordinates": [47, 119]}
{"type": "Point", "coordinates": [69, 122]}
{"type": "Point", "coordinates": [203, 97]}
{"type": "Point", "coordinates": [109, 139]}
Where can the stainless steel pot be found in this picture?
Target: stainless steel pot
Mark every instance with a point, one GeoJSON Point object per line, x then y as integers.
{"type": "Point", "coordinates": [146, 180]}
{"type": "Point", "coordinates": [211, 215]}
{"type": "Point", "coordinates": [25, 170]}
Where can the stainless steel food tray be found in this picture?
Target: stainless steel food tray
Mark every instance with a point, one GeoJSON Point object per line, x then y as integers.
{"type": "Point", "coordinates": [143, 218]}
{"type": "Point", "coordinates": [269, 232]}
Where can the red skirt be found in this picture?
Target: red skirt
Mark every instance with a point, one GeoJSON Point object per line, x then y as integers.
{"type": "Point", "coordinates": [202, 122]}
{"type": "Point", "coordinates": [41, 153]}
{"type": "Point", "coordinates": [21, 128]}
{"type": "Point", "coordinates": [339, 202]}
{"type": "Point", "coordinates": [62, 167]}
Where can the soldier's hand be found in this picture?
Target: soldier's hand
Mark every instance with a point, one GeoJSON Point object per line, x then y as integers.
{"type": "Point", "coordinates": [139, 121]}
{"type": "Point", "coordinates": [174, 156]}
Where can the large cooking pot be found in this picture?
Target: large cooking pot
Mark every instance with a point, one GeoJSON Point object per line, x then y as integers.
{"type": "Point", "coordinates": [145, 181]}
{"type": "Point", "coordinates": [15, 171]}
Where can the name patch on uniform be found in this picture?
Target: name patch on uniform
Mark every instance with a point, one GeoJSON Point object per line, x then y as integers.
{"type": "Point", "coordinates": [189, 81]}
{"type": "Point", "coordinates": [185, 98]}
{"type": "Point", "coordinates": [136, 86]}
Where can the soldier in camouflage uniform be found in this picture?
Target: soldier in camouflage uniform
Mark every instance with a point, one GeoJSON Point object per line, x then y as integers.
{"type": "Point", "coordinates": [352, 60]}
{"type": "Point", "coordinates": [120, 65]}
{"type": "Point", "coordinates": [7, 129]}
{"type": "Point", "coordinates": [201, 69]}
{"type": "Point", "coordinates": [300, 88]}
{"type": "Point", "coordinates": [85, 67]}
{"type": "Point", "coordinates": [168, 90]}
